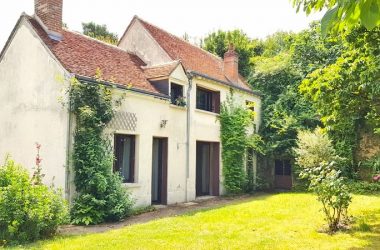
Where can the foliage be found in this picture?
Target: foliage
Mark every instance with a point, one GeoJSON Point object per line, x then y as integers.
{"type": "Point", "coordinates": [99, 32]}
{"type": "Point", "coordinates": [235, 121]}
{"type": "Point", "coordinates": [363, 187]}
{"type": "Point", "coordinates": [101, 196]}
{"type": "Point", "coordinates": [342, 13]}
{"type": "Point", "coordinates": [313, 149]}
{"type": "Point", "coordinates": [345, 93]}
{"type": "Point", "coordinates": [316, 157]}
{"type": "Point", "coordinates": [29, 210]}
{"type": "Point", "coordinates": [373, 164]}
{"type": "Point", "coordinates": [218, 43]}
{"type": "Point", "coordinates": [277, 74]}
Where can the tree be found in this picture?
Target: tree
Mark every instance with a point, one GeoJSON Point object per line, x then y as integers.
{"type": "Point", "coordinates": [346, 92]}
{"type": "Point", "coordinates": [343, 13]}
{"type": "Point", "coordinates": [218, 43]}
{"type": "Point", "coordinates": [99, 32]}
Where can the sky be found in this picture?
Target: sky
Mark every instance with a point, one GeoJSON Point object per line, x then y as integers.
{"type": "Point", "coordinates": [197, 18]}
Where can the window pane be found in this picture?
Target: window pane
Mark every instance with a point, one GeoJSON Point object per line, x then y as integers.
{"type": "Point", "coordinates": [287, 167]}
{"type": "Point", "coordinates": [124, 156]}
{"type": "Point", "coordinates": [279, 170]}
{"type": "Point", "coordinates": [126, 159]}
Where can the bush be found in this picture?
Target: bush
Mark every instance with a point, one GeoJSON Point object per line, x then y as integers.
{"type": "Point", "coordinates": [363, 187]}
{"type": "Point", "coordinates": [315, 157]}
{"type": "Point", "coordinates": [28, 212]}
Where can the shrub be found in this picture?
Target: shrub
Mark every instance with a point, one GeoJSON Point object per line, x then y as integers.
{"type": "Point", "coordinates": [101, 195]}
{"type": "Point", "coordinates": [363, 187]}
{"type": "Point", "coordinates": [315, 156]}
{"type": "Point", "coordinates": [28, 211]}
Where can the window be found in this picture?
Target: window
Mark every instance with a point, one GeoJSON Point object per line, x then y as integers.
{"type": "Point", "coordinates": [282, 167]}
{"type": "Point", "coordinates": [250, 105]}
{"type": "Point", "coordinates": [208, 100]}
{"type": "Point", "coordinates": [176, 94]}
{"type": "Point", "coordinates": [125, 157]}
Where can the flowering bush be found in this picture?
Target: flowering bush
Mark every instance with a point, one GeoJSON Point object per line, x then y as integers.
{"type": "Point", "coordinates": [29, 210]}
{"type": "Point", "coordinates": [316, 157]}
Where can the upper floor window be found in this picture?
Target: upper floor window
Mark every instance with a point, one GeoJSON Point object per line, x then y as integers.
{"type": "Point", "coordinates": [208, 100]}
{"type": "Point", "coordinates": [250, 105]}
{"type": "Point", "coordinates": [125, 157]}
{"type": "Point", "coordinates": [176, 95]}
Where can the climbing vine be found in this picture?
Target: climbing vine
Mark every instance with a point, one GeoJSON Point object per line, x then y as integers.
{"type": "Point", "coordinates": [235, 121]}
{"type": "Point", "coordinates": [101, 196]}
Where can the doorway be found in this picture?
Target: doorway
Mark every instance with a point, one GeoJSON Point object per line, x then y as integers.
{"type": "Point", "coordinates": [159, 170]}
{"type": "Point", "coordinates": [207, 168]}
{"type": "Point", "coordinates": [283, 174]}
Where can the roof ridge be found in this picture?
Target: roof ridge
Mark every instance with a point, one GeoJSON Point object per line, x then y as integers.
{"type": "Point", "coordinates": [99, 41]}
{"type": "Point", "coordinates": [183, 40]}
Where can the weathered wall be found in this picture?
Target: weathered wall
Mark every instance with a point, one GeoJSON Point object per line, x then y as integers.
{"type": "Point", "coordinates": [139, 41]}
{"type": "Point", "coordinates": [29, 108]}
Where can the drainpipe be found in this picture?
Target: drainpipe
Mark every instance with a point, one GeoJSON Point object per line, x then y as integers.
{"type": "Point", "coordinates": [68, 145]}
{"type": "Point", "coordinates": [188, 98]}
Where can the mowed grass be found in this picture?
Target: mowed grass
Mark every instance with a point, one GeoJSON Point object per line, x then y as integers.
{"type": "Point", "coordinates": [279, 221]}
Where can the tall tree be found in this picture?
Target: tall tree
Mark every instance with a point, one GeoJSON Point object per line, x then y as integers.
{"type": "Point", "coordinates": [99, 32]}
{"type": "Point", "coordinates": [218, 43]}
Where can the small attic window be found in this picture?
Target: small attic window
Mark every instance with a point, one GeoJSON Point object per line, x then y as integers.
{"type": "Point", "coordinates": [176, 94]}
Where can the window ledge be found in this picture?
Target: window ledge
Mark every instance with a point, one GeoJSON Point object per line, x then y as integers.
{"type": "Point", "coordinates": [206, 112]}
{"type": "Point", "coordinates": [178, 107]}
{"type": "Point", "coordinates": [131, 185]}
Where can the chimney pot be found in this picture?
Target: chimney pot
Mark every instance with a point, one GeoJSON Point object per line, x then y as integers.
{"type": "Point", "coordinates": [50, 13]}
{"type": "Point", "coordinates": [231, 64]}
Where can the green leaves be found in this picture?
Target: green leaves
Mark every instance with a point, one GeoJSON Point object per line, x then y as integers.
{"type": "Point", "coordinates": [343, 14]}
{"type": "Point", "coordinates": [370, 14]}
{"type": "Point", "coordinates": [329, 20]}
{"type": "Point", "coordinates": [101, 196]}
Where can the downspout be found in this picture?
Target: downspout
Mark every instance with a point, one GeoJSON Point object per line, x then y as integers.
{"type": "Point", "coordinates": [68, 145]}
{"type": "Point", "coordinates": [188, 119]}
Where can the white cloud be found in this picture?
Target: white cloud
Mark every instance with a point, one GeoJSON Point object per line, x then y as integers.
{"type": "Point", "coordinates": [258, 18]}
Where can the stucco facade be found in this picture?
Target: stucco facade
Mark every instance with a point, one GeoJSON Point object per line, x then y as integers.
{"type": "Point", "coordinates": [31, 111]}
{"type": "Point", "coordinates": [29, 108]}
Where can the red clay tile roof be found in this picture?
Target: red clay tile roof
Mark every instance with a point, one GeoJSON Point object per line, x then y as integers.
{"type": "Point", "coordinates": [192, 57]}
{"type": "Point", "coordinates": [83, 56]}
{"type": "Point", "coordinates": [162, 70]}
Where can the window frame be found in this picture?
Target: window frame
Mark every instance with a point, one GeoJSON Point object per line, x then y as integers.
{"type": "Point", "coordinates": [119, 152]}
{"type": "Point", "coordinates": [212, 102]}
{"type": "Point", "coordinates": [173, 98]}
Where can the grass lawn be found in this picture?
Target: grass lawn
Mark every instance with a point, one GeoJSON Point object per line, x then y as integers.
{"type": "Point", "coordinates": [280, 221]}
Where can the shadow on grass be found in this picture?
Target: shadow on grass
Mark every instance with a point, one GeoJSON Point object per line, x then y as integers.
{"type": "Point", "coordinates": [369, 226]}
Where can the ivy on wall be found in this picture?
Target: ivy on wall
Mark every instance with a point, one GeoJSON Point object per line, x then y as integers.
{"type": "Point", "coordinates": [100, 194]}
{"type": "Point", "coordinates": [235, 121]}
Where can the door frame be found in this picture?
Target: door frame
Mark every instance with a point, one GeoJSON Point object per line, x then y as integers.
{"type": "Point", "coordinates": [214, 180]}
{"type": "Point", "coordinates": [163, 172]}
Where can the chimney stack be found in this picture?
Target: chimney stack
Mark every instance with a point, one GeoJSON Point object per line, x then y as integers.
{"type": "Point", "coordinates": [231, 64]}
{"type": "Point", "coordinates": [49, 12]}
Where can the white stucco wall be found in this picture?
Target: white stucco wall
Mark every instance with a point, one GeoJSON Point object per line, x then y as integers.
{"type": "Point", "coordinates": [139, 41]}
{"type": "Point", "coordinates": [29, 108]}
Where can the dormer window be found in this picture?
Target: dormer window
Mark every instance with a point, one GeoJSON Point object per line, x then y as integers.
{"type": "Point", "coordinates": [208, 100]}
{"type": "Point", "coordinates": [176, 95]}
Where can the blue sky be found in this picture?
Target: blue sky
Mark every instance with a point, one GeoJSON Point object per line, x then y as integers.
{"type": "Point", "coordinates": [258, 18]}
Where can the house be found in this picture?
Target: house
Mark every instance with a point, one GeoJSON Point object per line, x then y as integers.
{"type": "Point", "coordinates": [166, 136]}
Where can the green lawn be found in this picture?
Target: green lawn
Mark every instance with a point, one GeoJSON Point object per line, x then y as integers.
{"type": "Point", "coordinates": [281, 221]}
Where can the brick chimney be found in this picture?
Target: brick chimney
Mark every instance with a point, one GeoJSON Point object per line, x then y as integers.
{"type": "Point", "coordinates": [231, 64]}
{"type": "Point", "coordinates": [49, 12]}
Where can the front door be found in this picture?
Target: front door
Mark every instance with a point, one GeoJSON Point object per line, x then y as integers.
{"type": "Point", "coordinates": [207, 168]}
{"type": "Point", "coordinates": [159, 170]}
